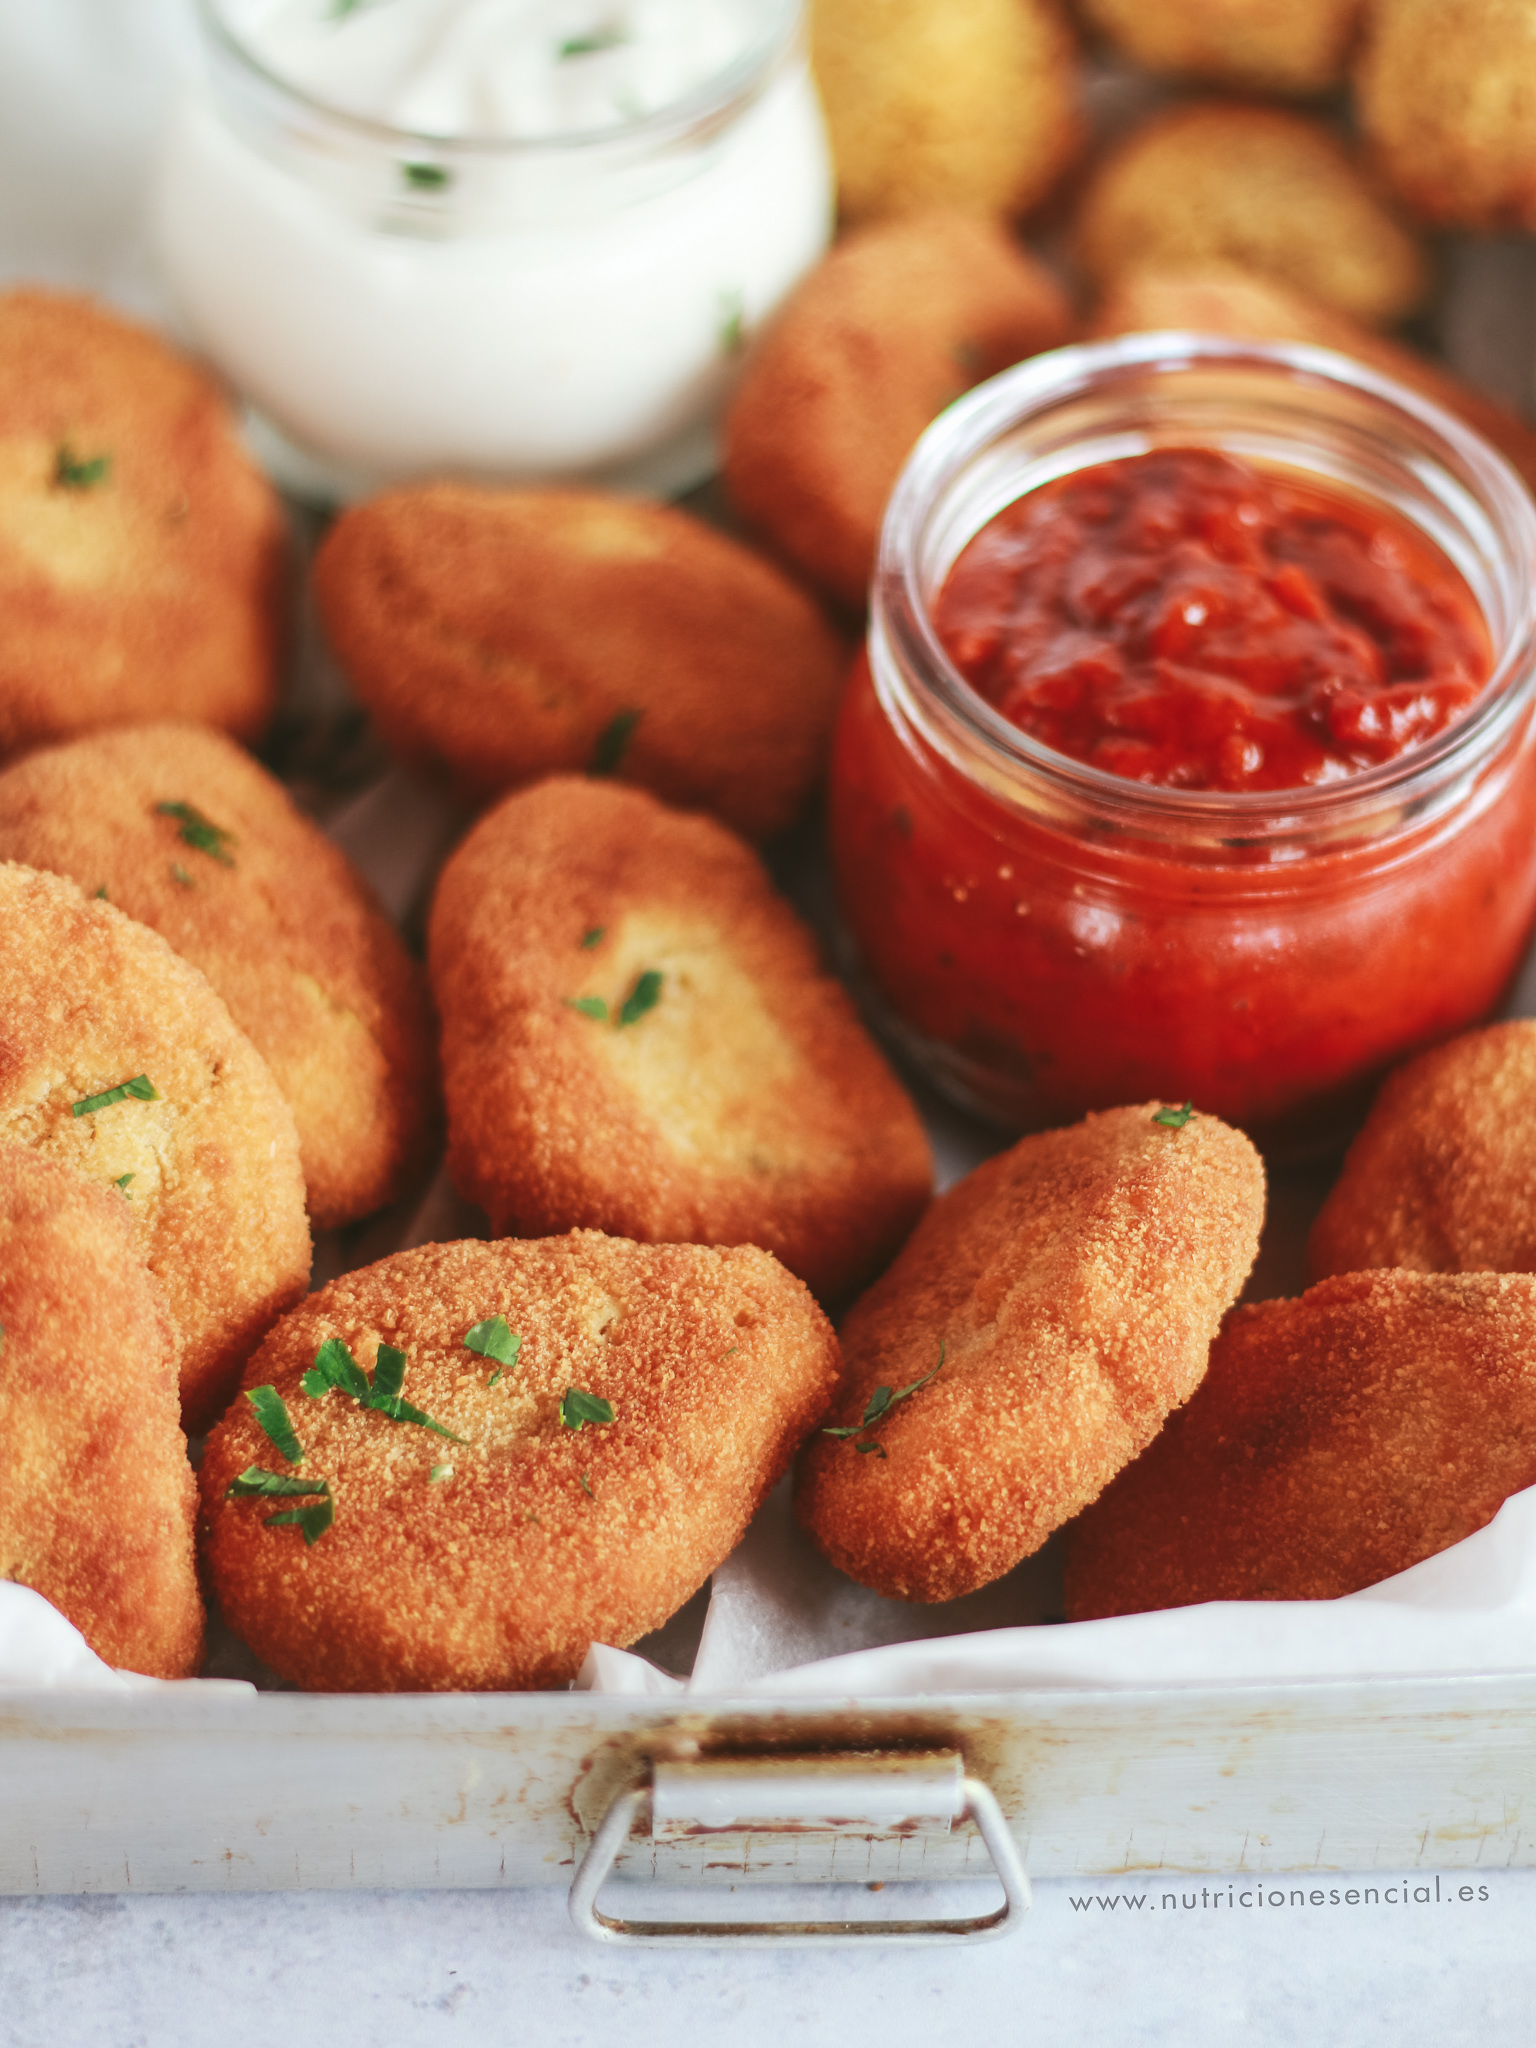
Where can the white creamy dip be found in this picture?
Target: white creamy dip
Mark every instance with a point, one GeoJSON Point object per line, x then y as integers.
{"type": "Point", "coordinates": [513, 238]}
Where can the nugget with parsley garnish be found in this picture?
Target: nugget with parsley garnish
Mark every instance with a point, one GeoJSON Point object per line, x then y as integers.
{"type": "Point", "coordinates": [117, 1058]}
{"type": "Point", "coordinates": [183, 830]}
{"type": "Point", "coordinates": [457, 1468]}
{"type": "Point", "coordinates": [1046, 1316]}
{"type": "Point", "coordinates": [96, 1506]}
{"type": "Point", "coordinates": [639, 1037]}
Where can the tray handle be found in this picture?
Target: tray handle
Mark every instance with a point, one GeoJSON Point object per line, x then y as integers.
{"type": "Point", "coordinates": [857, 1793]}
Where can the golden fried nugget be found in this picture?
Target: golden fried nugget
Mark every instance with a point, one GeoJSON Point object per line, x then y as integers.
{"type": "Point", "coordinates": [117, 1058]}
{"type": "Point", "coordinates": [1445, 95]}
{"type": "Point", "coordinates": [1226, 299]}
{"type": "Point", "coordinates": [930, 104]}
{"type": "Point", "coordinates": [97, 1503]}
{"type": "Point", "coordinates": [1259, 186]}
{"type": "Point", "coordinates": [889, 329]}
{"type": "Point", "coordinates": [638, 1036]}
{"type": "Point", "coordinates": [1442, 1178]}
{"type": "Point", "coordinates": [185, 832]}
{"type": "Point", "coordinates": [503, 635]}
{"type": "Point", "coordinates": [1058, 1304]}
{"type": "Point", "coordinates": [141, 549]}
{"type": "Point", "coordinates": [1251, 45]}
{"type": "Point", "coordinates": [494, 1562]}
{"type": "Point", "coordinates": [1335, 1440]}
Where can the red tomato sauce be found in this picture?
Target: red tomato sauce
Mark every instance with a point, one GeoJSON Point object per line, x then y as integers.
{"type": "Point", "coordinates": [1178, 618]}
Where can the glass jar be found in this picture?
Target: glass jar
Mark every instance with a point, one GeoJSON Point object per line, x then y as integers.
{"type": "Point", "coordinates": [1048, 938]}
{"type": "Point", "coordinates": [525, 306]}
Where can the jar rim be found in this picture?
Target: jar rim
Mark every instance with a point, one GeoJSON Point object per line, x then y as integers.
{"type": "Point", "coordinates": [700, 107]}
{"type": "Point", "coordinates": [899, 614]}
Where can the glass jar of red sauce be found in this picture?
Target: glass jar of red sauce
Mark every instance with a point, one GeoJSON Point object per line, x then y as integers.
{"type": "Point", "coordinates": [1049, 936]}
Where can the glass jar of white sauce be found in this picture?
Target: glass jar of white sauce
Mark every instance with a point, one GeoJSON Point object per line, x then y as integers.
{"type": "Point", "coordinates": [513, 239]}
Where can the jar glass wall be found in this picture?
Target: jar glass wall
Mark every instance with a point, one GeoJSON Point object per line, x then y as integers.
{"type": "Point", "coordinates": [1048, 938]}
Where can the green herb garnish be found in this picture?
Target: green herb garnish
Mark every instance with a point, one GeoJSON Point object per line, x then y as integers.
{"type": "Point", "coordinates": [141, 1088]}
{"type": "Point", "coordinates": [495, 1376]}
{"type": "Point", "coordinates": [201, 832]}
{"type": "Point", "coordinates": [608, 37]}
{"type": "Point", "coordinates": [586, 1486]}
{"type": "Point", "coordinates": [257, 1480]}
{"type": "Point", "coordinates": [101, 895]}
{"type": "Point", "coordinates": [272, 1419]}
{"type": "Point", "coordinates": [612, 742]}
{"type": "Point", "coordinates": [733, 314]}
{"type": "Point", "coordinates": [335, 1366]}
{"type": "Point", "coordinates": [121, 1184]}
{"type": "Point", "coordinates": [880, 1404]}
{"type": "Point", "coordinates": [438, 1474]}
{"type": "Point", "coordinates": [1175, 1119]}
{"type": "Point", "coordinates": [594, 937]}
{"type": "Point", "coordinates": [493, 1339]}
{"type": "Point", "coordinates": [644, 996]}
{"type": "Point", "coordinates": [427, 177]}
{"type": "Point", "coordinates": [314, 1520]}
{"type": "Point", "coordinates": [589, 1006]}
{"type": "Point", "coordinates": [578, 1409]}
{"type": "Point", "coordinates": [179, 874]}
{"type": "Point", "coordinates": [73, 475]}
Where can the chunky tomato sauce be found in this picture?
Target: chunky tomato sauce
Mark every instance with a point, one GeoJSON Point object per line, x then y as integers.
{"type": "Point", "coordinates": [1180, 619]}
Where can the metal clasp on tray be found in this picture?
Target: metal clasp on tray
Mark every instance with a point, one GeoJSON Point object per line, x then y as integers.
{"type": "Point", "coordinates": [859, 1794]}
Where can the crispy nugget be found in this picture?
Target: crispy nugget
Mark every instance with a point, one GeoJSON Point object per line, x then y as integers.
{"type": "Point", "coordinates": [97, 1502]}
{"type": "Point", "coordinates": [1046, 1316]}
{"type": "Point", "coordinates": [1442, 1178]}
{"type": "Point", "coordinates": [638, 1036]}
{"type": "Point", "coordinates": [494, 1561]}
{"type": "Point", "coordinates": [1258, 186]}
{"type": "Point", "coordinates": [505, 635]}
{"type": "Point", "coordinates": [930, 104]}
{"type": "Point", "coordinates": [1336, 1440]}
{"type": "Point", "coordinates": [889, 329]}
{"type": "Point", "coordinates": [1250, 45]}
{"type": "Point", "coordinates": [1445, 95]}
{"type": "Point", "coordinates": [141, 550]}
{"type": "Point", "coordinates": [1226, 299]}
{"type": "Point", "coordinates": [202, 1145]}
{"type": "Point", "coordinates": [185, 832]}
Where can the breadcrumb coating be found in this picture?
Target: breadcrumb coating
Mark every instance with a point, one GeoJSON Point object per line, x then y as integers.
{"type": "Point", "coordinates": [737, 1100]}
{"type": "Point", "coordinates": [1250, 45]}
{"type": "Point", "coordinates": [96, 1507]}
{"type": "Point", "coordinates": [505, 635]}
{"type": "Point", "coordinates": [493, 1563]}
{"type": "Point", "coordinates": [890, 328]}
{"type": "Point", "coordinates": [1336, 1440]}
{"type": "Point", "coordinates": [142, 551]}
{"type": "Point", "coordinates": [283, 926]}
{"type": "Point", "coordinates": [1442, 1177]}
{"type": "Point", "coordinates": [1071, 1287]}
{"type": "Point", "coordinates": [90, 1000]}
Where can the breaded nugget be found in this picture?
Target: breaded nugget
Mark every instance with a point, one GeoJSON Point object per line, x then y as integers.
{"type": "Point", "coordinates": [97, 1501]}
{"type": "Point", "coordinates": [1250, 45]}
{"type": "Point", "coordinates": [1445, 95]}
{"type": "Point", "coordinates": [1336, 1440]}
{"type": "Point", "coordinates": [1225, 299]}
{"type": "Point", "coordinates": [638, 1036]}
{"type": "Point", "coordinates": [117, 1058]}
{"type": "Point", "coordinates": [141, 549]}
{"type": "Point", "coordinates": [1058, 1303]}
{"type": "Point", "coordinates": [1228, 182]}
{"type": "Point", "coordinates": [1442, 1178]}
{"type": "Point", "coordinates": [494, 1561]}
{"type": "Point", "coordinates": [888, 329]}
{"type": "Point", "coordinates": [186, 833]}
{"type": "Point", "coordinates": [930, 104]}
{"type": "Point", "coordinates": [504, 635]}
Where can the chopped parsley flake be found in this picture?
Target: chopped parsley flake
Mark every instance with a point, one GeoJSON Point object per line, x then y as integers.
{"type": "Point", "coordinates": [493, 1339]}
{"type": "Point", "coordinates": [71, 474]}
{"type": "Point", "coordinates": [101, 894]}
{"type": "Point", "coordinates": [644, 996]}
{"type": "Point", "coordinates": [1175, 1119]}
{"type": "Point", "coordinates": [200, 832]}
{"type": "Point", "coordinates": [314, 1520]}
{"type": "Point", "coordinates": [589, 1006]}
{"type": "Point", "coordinates": [335, 1366]}
{"type": "Point", "coordinates": [594, 937]}
{"type": "Point", "coordinates": [427, 177]}
{"type": "Point", "coordinates": [608, 37]}
{"type": "Point", "coordinates": [438, 1474]}
{"type": "Point", "coordinates": [179, 874]}
{"type": "Point", "coordinates": [256, 1480]}
{"type": "Point", "coordinates": [121, 1184]}
{"type": "Point", "coordinates": [495, 1376]}
{"type": "Point", "coordinates": [577, 1408]}
{"type": "Point", "coordinates": [272, 1419]}
{"type": "Point", "coordinates": [141, 1088]}
{"type": "Point", "coordinates": [586, 1486]}
{"type": "Point", "coordinates": [612, 742]}
{"type": "Point", "coordinates": [879, 1405]}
